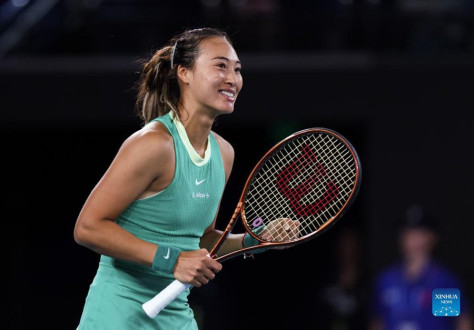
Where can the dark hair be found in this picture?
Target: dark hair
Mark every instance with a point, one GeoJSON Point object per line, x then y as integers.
{"type": "Point", "coordinates": [158, 88]}
{"type": "Point", "coordinates": [417, 217]}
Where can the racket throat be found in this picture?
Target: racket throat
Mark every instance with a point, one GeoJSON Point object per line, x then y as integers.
{"type": "Point", "coordinates": [226, 232]}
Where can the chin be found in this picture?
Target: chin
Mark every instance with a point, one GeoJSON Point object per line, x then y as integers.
{"type": "Point", "coordinates": [224, 111]}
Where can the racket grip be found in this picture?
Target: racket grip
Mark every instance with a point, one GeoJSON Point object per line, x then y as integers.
{"type": "Point", "coordinates": [153, 306]}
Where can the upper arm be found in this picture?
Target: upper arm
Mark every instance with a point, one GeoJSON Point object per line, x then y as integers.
{"type": "Point", "coordinates": [227, 154]}
{"type": "Point", "coordinates": [143, 157]}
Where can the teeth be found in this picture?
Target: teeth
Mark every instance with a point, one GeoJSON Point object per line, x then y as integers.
{"type": "Point", "coordinates": [229, 94]}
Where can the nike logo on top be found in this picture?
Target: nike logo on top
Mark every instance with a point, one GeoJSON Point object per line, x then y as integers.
{"type": "Point", "coordinates": [199, 182]}
{"type": "Point", "coordinates": [167, 255]}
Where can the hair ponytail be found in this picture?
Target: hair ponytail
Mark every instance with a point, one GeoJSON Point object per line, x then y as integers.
{"type": "Point", "coordinates": [158, 90]}
{"type": "Point", "coordinates": [158, 87]}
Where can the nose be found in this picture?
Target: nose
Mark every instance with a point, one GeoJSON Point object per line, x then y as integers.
{"type": "Point", "coordinates": [231, 78]}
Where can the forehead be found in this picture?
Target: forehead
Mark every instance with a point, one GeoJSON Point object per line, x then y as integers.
{"type": "Point", "coordinates": [217, 47]}
{"type": "Point", "coordinates": [419, 231]}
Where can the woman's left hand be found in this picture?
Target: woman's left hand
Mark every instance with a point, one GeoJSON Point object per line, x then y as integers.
{"type": "Point", "coordinates": [281, 230]}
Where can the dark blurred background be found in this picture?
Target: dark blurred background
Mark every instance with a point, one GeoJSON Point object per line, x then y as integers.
{"type": "Point", "coordinates": [394, 76]}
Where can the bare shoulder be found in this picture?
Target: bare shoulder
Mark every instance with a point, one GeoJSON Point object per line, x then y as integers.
{"type": "Point", "coordinates": [153, 139]}
{"type": "Point", "coordinates": [227, 153]}
{"type": "Point", "coordinates": [149, 150]}
{"type": "Point", "coordinates": [226, 148]}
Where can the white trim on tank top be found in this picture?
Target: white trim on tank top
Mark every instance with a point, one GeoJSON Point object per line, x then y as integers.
{"type": "Point", "coordinates": [195, 157]}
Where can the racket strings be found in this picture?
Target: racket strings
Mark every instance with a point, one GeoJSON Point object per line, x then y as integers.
{"type": "Point", "coordinates": [340, 165]}
{"type": "Point", "coordinates": [308, 180]}
{"type": "Point", "coordinates": [340, 172]}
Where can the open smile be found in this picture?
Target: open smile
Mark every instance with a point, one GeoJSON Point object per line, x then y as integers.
{"type": "Point", "coordinates": [228, 93]}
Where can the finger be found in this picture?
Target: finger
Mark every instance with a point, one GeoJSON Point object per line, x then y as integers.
{"type": "Point", "coordinates": [284, 227]}
{"type": "Point", "coordinates": [208, 274]}
{"type": "Point", "coordinates": [215, 266]}
{"type": "Point", "coordinates": [286, 233]}
{"type": "Point", "coordinates": [271, 231]}
{"type": "Point", "coordinates": [203, 280]}
{"type": "Point", "coordinates": [288, 228]}
{"type": "Point", "coordinates": [195, 283]}
{"type": "Point", "coordinates": [281, 233]}
{"type": "Point", "coordinates": [295, 229]}
{"type": "Point", "coordinates": [210, 269]}
{"type": "Point", "coordinates": [298, 228]}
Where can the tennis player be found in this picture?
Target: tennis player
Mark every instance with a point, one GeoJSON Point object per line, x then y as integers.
{"type": "Point", "coordinates": [152, 215]}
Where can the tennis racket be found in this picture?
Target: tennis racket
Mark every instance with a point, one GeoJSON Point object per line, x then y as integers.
{"type": "Point", "coordinates": [296, 191]}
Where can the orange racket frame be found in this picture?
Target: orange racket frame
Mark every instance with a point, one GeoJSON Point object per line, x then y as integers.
{"type": "Point", "coordinates": [240, 209]}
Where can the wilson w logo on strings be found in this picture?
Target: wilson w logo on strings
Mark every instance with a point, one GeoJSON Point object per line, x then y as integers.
{"type": "Point", "coordinates": [296, 194]}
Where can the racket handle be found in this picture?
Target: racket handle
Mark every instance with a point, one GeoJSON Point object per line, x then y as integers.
{"type": "Point", "coordinates": [153, 306]}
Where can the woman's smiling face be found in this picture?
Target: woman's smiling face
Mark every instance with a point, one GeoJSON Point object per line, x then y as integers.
{"type": "Point", "coordinates": [215, 80]}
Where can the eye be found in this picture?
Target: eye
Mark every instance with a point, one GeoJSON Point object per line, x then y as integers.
{"type": "Point", "coordinates": [238, 69]}
{"type": "Point", "coordinates": [222, 65]}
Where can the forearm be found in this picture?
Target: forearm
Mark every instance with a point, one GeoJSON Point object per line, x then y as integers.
{"type": "Point", "coordinates": [232, 243]}
{"type": "Point", "coordinates": [108, 238]}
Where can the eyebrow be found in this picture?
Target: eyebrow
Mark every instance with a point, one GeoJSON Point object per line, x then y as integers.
{"type": "Point", "coordinates": [225, 59]}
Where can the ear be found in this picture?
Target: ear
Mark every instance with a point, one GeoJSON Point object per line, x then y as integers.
{"type": "Point", "coordinates": [183, 74]}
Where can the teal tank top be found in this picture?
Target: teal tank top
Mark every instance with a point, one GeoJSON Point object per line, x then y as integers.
{"type": "Point", "coordinates": [178, 215]}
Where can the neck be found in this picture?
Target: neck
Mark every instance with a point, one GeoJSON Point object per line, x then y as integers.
{"type": "Point", "coordinates": [198, 126]}
{"type": "Point", "coordinates": [414, 266]}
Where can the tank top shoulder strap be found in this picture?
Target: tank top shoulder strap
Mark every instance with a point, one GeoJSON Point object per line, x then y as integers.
{"type": "Point", "coordinates": [168, 122]}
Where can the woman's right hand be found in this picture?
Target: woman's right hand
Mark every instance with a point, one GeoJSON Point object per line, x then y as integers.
{"type": "Point", "coordinates": [196, 267]}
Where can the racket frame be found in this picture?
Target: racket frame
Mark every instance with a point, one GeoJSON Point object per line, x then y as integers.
{"type": "Point", "coordinates": [240, 209]}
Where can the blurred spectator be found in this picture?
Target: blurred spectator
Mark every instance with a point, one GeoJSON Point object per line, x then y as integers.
{"type": "Point", "coordinates": [403, 292]}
